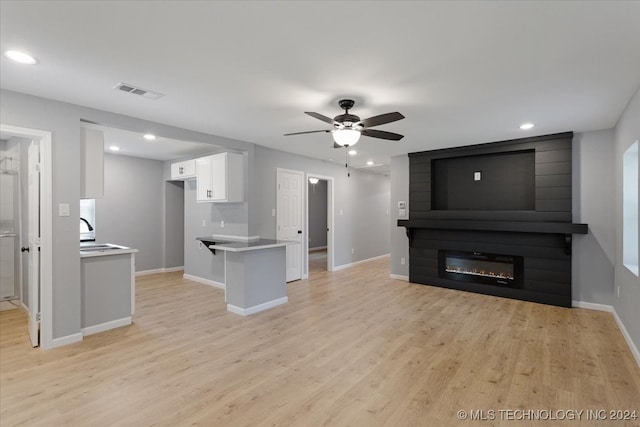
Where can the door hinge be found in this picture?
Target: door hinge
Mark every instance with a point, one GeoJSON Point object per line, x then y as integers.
{"type": "Point", "coordinates": [37, 317]}
{"type": "Point", "coordinates": [37, 167]}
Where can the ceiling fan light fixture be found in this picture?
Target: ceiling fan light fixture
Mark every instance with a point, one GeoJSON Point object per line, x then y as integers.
{"type": "Point", "coordinates": [346, 137]}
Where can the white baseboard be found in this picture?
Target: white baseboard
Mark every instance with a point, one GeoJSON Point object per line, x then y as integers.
{"type": "Point", "coordinates": [623, 329]}
{"type": "Point", "coordinates": [352, 264]}
{"type": "Point", "coordinates": [90, 330]}
{"type": "Point", "coordinates": [159, 270]}
{"type": "Point", "coordinates": [592, 306]}
{"type": "Point", "coordinates": [66, 340]}
{"type": "Point", "coordinates": [257, 308]}
{"type": "Point", "coordinates": [627, 337]}
{"type": "Point", "coordinates": [317, 248]}
{"type": "Point", "coordinates": [399, 277]}
{"type": "Point", "coordinates": [204, 281]}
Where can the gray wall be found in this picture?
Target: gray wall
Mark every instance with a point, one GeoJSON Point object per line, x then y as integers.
{"type": "Point", "coordinates": [363, 199]}
{"type": "Point", "coordinates": [594, 253]}
{"type": "Point", "coordinates": [399, 192]}
{"type": "Point", "coordinates": [174, 224]}
{"type": "Point", "coordinates": [63, 120]}
{"type": "Point", "coordinates": [317, 214]}
{"type": "Point", "coordinates": [628, 301]}
{"type": "Point", "coordinates": [130, 213]}
{"type": "Point", "coordinates": [199, 261]}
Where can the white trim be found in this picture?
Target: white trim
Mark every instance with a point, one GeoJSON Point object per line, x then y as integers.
{"type": "Point", "coordinates": [627, 337]}
{"type": "Point", "coordinates": [204, 281]}
{"type": "Point", "coordinates": [623, 329]}
{"type": "Point", "coordinates": [352, 264]}
{"type": "Point", "coordinates": [90, 330]}
{"type": "Point", "coordinates": [305, 276]}
{"type": "Point", "coordinates": [592, 306]}
{"type": "Point", "coordinates": [46, 231]}
{"type": "Point", "coordinates": [257, 308]}
{"type": "Point", "coordinates": [66, 340]}
{"type": "Point", "coordinates": [399, 277]}
{"type": "Point", "coordinates": [159, 270]}
{"type": "Point", "coordinates": [133, 284]}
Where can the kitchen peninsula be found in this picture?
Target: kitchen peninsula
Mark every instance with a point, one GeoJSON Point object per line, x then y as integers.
{"type": "Point", "coordinates": [255, 272]}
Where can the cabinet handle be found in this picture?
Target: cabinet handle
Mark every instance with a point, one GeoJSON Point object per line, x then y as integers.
{"type": "Point", "coordinates": [181, 170]}
{"type": "Point", "coordinates": [209, 193]}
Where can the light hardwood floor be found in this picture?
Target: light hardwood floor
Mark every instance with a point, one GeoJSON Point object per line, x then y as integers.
{"type": "Point", "coordinates": [350, 348]}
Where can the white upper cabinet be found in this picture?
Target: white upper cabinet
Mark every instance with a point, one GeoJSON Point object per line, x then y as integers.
{"type": "Point", "coordinates": [92, 163]}
{"type": "Point", "coordinates": [220, 178]}
{"type": "Point", "coordinates": [183, 170]}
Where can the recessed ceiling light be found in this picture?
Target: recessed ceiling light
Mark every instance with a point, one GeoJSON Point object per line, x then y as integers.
{"type": "Point", "coordinates": [352, 152]}
{"type": "Point", "coordinates": [21, 57]}
{"type": "Point", "coordinates": [370, 163]}
{"type": "Point", "coordinates": [526, 126]}
{"type": "Point", "coordinates": [149, 136]}
{"type": "Point", "coordinates": [114, 148]}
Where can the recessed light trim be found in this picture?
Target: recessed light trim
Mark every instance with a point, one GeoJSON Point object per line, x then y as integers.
{"type": "Point", "coordinates": [149, 136]}
{"type": "Point", "coordinates": [370, 163]}
{"type": "Point", "coordinates": [352, 152]}
{"type": "Point", "coordinates": [21, 57]}
{"type": "Point", "coordinates": [114, 148]}
{"type": "Point", "coordinates": [527, 126]}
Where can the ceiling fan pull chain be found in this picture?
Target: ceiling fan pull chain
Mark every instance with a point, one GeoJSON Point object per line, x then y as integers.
{"type": "Point", "coordinates": [346, 164]}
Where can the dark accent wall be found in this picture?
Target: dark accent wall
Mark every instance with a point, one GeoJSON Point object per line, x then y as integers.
{"type": "Point", "coordinates": [539, 200]}
{"type": "Point", "coordinates": [552, 180]}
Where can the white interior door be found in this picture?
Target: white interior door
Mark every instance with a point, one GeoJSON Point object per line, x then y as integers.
{"type": "Point", "coordinates": [34, 242]}
{"type": "Point", "coordinates": [289, 218]}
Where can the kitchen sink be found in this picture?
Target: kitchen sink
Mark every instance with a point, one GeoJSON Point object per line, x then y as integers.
{"type": "Point", "coordinates": [100, 248]}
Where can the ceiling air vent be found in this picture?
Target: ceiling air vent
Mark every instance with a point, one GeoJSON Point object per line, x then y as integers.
{"type": "Point", "coordinates": [126, 87]}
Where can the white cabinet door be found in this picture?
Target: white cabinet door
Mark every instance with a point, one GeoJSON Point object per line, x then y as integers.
{"type": "Point", "coordinates": [183, 170]}
{"type": "Point", "coordinates": [204, 190]}
{"type": "Point", "coordinates": [220, 178]}
{"type": "Point", "coordinates": [92, 167]}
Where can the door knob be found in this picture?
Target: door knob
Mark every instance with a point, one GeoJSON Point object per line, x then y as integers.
{"type": "Point", "coordinates": [24, 249]}
{"type": "Point", "coordinates": [299, 231]}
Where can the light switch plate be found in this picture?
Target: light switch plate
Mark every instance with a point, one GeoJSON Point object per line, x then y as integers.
{"type": "Point", "coordinates": [402, 205]}
{"type": "Point", "coordinates": [273, 212]}
{"type": "Point", "coordinates": [63, 209]}
{"type": "Point", "coordinates": [477, 176]}
{"type": "Point", "coordinates": [402, 212]}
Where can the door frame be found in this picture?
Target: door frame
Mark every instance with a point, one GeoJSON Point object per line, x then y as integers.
{"type": "Point", "coordinates": [46, 226]}
{"type": "Point", "coordinates": [303, 259]}
{"type": "Point", "coordinates": [330, 221]}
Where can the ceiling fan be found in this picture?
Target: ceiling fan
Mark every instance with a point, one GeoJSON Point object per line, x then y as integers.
{"type": "Point", "coordinates": [347, 128]}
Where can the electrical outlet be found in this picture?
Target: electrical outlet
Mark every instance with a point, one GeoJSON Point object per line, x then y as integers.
{"type": "Point", "coordinates": [618, 288]}
{"type": "Point", "coordinates": [221, 224]}
{"type": "Point", "coordinates": [273, 212]}
{"type": "Point", "coordinates": [204, 222]}
{"type": "Point", "coordinates": [403, 261]}
{"type": "Point", "coordinates": [340, 211]}
{"type": "Point", "coordinates": [353, 251]}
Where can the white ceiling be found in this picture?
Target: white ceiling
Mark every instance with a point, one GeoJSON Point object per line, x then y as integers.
{"type": "Point", "coordinates": [461, 72]}
{"type": "Point", "coordinates": [134, 144]}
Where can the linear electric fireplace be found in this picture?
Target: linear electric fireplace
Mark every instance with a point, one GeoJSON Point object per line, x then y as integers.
{"type": "Point", "coordinates": [478, 267]}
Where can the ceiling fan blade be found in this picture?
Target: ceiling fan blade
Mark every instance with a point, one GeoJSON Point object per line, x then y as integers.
{"type": "Point", "coordinates": [381, 119]}
{"type": "Point", "coordinates": [309, 131]}
{"type": "Point", "coordinates": [320, 117]}
{"type": "Point", "coordinates": [373, 133]}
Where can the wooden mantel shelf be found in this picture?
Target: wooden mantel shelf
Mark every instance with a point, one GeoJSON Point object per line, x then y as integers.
{"type": "Point", "coordinates": [503, 226]}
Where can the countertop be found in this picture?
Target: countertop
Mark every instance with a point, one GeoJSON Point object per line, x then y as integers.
{"type": "Point", "coordinates": [242, 245]}
{"type": "Point", "coordinates": [91, 249]}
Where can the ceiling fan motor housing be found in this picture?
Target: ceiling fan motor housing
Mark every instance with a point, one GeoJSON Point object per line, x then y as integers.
{"type": "Point", "coordinates": [347, 119]}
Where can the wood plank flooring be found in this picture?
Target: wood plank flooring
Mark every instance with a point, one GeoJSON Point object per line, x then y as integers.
{"type": "Point", "coordinates": [351, 348]}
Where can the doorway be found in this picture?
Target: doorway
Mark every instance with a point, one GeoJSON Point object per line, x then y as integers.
{"type": "Point", "coordinates": [38, 245]}
{"type": "Point", "coordinates": [320, 223]}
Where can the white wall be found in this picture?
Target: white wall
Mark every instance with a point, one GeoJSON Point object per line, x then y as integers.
{"type": "Point", "coordinates": [399, 192]}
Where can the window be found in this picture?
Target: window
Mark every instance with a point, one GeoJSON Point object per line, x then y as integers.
{"type": "Point", "coordinates": [630, 208]}
{"type": "Point", "coordinates": [87, 220]}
